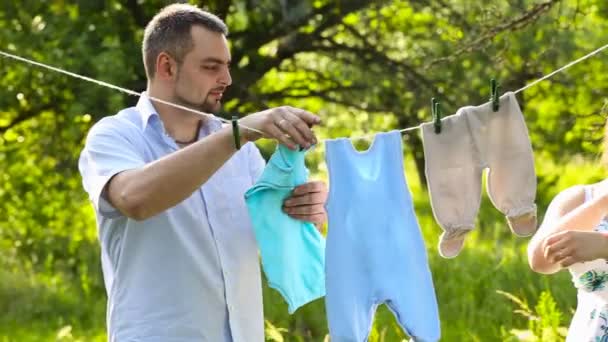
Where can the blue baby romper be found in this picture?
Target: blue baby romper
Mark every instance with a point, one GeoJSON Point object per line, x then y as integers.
{"type": "Point", "coordinates": [375, 252]}
{"type": "Point", "coordinates": [292, 251]}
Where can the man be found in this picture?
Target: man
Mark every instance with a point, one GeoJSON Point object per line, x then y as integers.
{"type": "Point", "coordinates": [179, 257]}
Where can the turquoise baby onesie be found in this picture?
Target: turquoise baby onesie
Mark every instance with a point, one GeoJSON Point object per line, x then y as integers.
{"type": "Point", "coordinates": [292, 251]}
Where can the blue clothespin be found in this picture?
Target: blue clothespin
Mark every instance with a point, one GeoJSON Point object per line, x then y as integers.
{"type": "Point", "coordinates": [436, 112]}
{"type": "Point", "coordinates": [494, 89]}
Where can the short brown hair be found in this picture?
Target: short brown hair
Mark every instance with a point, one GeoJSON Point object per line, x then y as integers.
{"type": "Point", "coordinates": [169, 31]}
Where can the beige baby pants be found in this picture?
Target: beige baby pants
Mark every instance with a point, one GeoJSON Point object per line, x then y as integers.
{"type": "Point", "coordinates": [473, 139]}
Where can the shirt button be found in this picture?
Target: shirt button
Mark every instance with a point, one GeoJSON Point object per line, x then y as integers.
{"type": "Point", "coordinates": [231, 307]}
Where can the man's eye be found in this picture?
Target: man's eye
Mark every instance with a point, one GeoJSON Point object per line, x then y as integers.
{"type": "Point", "coordinates": [208, 67]}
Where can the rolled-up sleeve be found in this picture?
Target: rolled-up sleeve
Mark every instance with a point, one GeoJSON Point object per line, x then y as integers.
{"type": "Point", "coordinates": [109, 149]}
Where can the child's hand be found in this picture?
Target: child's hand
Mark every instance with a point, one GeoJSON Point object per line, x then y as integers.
{"type": "Point", "coordinates": [570, 247]}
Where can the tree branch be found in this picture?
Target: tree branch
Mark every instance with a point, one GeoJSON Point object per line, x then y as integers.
{"type": "Point", "coordinates": [290, 43]}
{"type": "Point", "coordinates": [370, 55]}
{"type": "Point", "coordinates": [455, 17]}
{"type": "Point", "coordinates": [25, 115]}
{"type": "Point", "coordinates": [393, 64]}
{"type": "Point", "coordinates": [136, 12]}
{"type": "Point", "coordinates": [524, 20]}
{"type": "Point", "coordinates": [219, 8]}
{"type": "Point", "coordinates": [333, 99]}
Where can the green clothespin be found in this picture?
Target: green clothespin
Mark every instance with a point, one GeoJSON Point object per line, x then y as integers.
{"type": "Point", "coordinates": [494, 89]}
{"type": "Point", "coordinates": [436, 111]}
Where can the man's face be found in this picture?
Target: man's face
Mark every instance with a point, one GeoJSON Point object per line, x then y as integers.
{"type": "Point", "coordinates": [204, 74]}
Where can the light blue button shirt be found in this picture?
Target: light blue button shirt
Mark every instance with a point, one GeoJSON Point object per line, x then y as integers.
{"type": "Point", "coordinates": [190, 273]}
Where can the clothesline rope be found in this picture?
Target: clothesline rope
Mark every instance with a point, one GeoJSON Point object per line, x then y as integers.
{"type": "Point", "coordinates": [590, 54]}
{"type": "Point", "coordinates": [367, 136]}
{"type": "Point", "coordinates": [115, 87]}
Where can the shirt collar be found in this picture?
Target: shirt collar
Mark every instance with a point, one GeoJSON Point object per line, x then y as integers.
{"type": "Point", "coordinates": [146, 109]}
{"type": "Point", "coordinates": [213, 123]}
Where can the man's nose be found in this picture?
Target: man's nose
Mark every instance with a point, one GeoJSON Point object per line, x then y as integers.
{"type": "Point", "coordinates": [226, 79]}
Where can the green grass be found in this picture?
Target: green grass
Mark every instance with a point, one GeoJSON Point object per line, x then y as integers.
{"type": "Point", "coordinates": [36, 307]}
{"type": "Point", "coordinates": [470, 307]}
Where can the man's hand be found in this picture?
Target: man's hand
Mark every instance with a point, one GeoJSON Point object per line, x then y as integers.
{"type": "Point", "coordinates": [307, 203]}
{"type": "Point", "coordinates": [570, 247]}
{"type": "Point", "coordinates": [288, 125]}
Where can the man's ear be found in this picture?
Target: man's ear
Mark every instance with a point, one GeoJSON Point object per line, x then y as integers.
{"type": "Point", "coordinates": [166, 66]}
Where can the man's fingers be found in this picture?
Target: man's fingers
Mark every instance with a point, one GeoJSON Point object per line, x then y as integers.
{"type": "Point", "coordinates": [285, 125]}
{"type": "Point", "coordinates": [306, 199]}
{"type": "Point", "coordinates": [315, 186]}
{"type": "Point", "coordinates": [276, 133]}
{"type": "Point", "coordinates": [308, 117]}
{"type": "Point", "coordinates": [301, 127]}
{"type": "Point", "coordinates": [305, 210]}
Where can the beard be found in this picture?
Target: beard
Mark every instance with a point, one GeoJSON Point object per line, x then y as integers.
{"type": "Point", "coordinates": [207, 105]}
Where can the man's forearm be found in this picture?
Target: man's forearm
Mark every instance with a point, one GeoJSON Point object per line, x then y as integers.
{"type": "Point", "coordinates": [162, 184]}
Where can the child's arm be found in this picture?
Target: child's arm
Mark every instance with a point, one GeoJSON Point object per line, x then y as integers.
{"type": "Point", "coordinates": [567, 212]}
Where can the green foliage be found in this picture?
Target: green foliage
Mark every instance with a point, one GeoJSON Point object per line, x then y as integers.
{"type": "Point", "coordinates": [543, 322]}
{"type": "Point", "coordinates": [273, 333]}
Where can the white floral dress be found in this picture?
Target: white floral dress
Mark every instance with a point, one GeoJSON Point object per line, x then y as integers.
{"type": "Point", "coordinates": [590, 322]}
